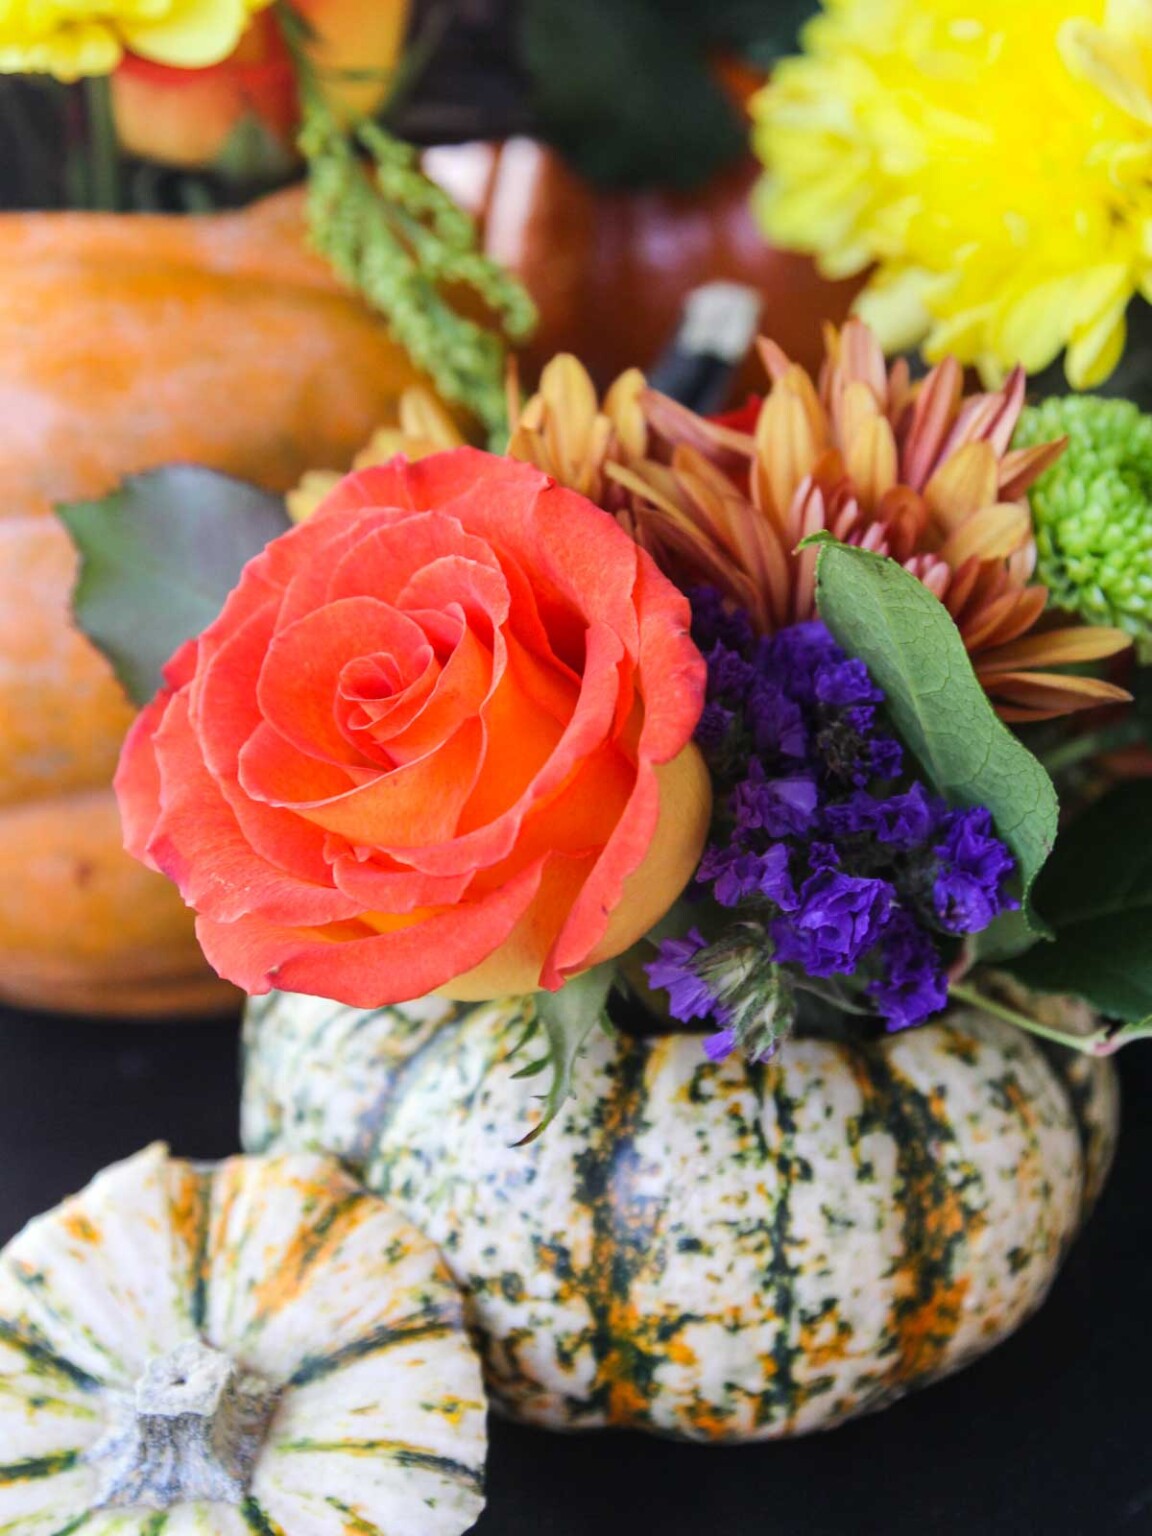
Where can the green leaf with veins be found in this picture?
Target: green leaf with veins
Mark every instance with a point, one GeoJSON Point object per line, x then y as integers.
{"type": "Point", "coordinates": [566, 1019]}
{"type": "Point", "coordinates": [905, 636]}
{"type": "Point", "coordinates": [157, 559]}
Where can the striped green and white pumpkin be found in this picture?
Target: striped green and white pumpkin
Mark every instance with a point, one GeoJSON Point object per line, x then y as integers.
{"type": "Point", "coordinates": [261, 1348]}
{"type": "Point", "coordinates": [721, 1252]}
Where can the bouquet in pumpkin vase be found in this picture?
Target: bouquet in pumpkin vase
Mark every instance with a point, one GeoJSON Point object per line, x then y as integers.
{"type": "Point", "coordinates": [726, 859]}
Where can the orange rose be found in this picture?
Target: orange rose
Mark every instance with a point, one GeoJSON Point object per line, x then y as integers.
{"type": "Point", "coordinates": [438, 738]}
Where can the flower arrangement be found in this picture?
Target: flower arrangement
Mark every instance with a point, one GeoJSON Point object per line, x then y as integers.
{"type": "Point", "coordinates": [983, 162]}
{"type": "Point", "coordinates": [737, 794]}
{"type": "Point", "coordinates": [737, 716]}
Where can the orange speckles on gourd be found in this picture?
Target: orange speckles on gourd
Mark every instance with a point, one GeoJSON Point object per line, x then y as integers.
{"type": "Point", "coordinates": [81, 1229]}
{"type": "Point", "coordinates": [681, 1353]}
{"type": "Point", "coordinates": [924, 1330]}
{"type": "Point", "coordinates": [290, 1273]}
{"type": "Point", "coordinates": [708, 1421]}
{"type": "Point", "coordinates": [825, 1339]}
{"type": "Point", "coordinates": [453, 1409]}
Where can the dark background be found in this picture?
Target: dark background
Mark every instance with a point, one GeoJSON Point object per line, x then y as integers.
{"type": "Point", "coordinates": [1050, 1433]}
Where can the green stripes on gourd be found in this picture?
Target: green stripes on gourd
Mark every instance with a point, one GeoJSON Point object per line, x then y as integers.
{"type": "Point", "coordinates": [39, 1466]}
{"type": "Point", "coordinates": [431, 1324]}
{"type": "Point", "coordinates": [399, 1451]}
{"type": "Point", "coordinates": [848, 1185]}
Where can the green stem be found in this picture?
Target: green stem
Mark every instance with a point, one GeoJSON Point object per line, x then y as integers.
{"type": "Point", "coordinates": [1099, 1043]}
{"type": "Point", "coordinates": [103, 148]}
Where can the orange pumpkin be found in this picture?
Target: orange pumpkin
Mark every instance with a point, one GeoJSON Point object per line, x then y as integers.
{"type": "Point", "coordinates": [127, 342]}
{"type": "Point", "coordinates": [609, 271]}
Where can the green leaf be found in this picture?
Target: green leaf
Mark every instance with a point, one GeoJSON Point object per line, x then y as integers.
{"type": "Point", "coordinates": [1097, 894]}
{"type": "Point", "coordinates": [157, 559]}
{"type": "Point", "coordinates": [624, 89]}
{"type": "Point", "coordinates": [762, 30]}
{"type": "Point", "coordinates": [883, 615]}
{"type": "Point", "coordinates": [567, 1018]}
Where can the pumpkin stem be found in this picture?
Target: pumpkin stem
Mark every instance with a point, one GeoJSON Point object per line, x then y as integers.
{"type": "Point", "coordinates": [190, 1431]}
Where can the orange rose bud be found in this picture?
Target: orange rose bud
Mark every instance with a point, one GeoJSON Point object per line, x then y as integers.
{"type": "Point", "coordinates": [438, 738]}
{"type": "Point", "coordinates": [186, 117]}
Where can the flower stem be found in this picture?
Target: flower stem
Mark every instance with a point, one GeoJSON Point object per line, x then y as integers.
{"type": "Point", "coordinates": [1098, 1043]}
{"type": "Point", "coordinates": [103, 148]}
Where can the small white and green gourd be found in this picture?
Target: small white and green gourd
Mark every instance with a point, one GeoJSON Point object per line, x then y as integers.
{"type": "Point", "coordinates": [259, 1348]}
{"type": "Point", "coordinates": [712, 1251]}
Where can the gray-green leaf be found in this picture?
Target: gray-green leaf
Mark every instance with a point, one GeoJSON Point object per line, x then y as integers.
{"type": "Point", "coordinates": [157, 559]}
{"type": "Point", "coordinates": [905, 636]}
{"type": "Point", "coordinates": [567, 1018]}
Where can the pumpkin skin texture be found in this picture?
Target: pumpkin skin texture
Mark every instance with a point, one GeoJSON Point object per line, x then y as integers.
{"type": "Point", "coordinates": [610, 270]}
{"type": "Point", "coordinates": [364, 1407]}
{"type": "Point", "coordinates": [718, 1252]}
{"type": "Point", "coordinates": [131, 341]}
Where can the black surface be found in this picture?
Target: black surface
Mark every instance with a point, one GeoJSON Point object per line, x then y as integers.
{"type": "Point", "coordinates": [1050, 1433]}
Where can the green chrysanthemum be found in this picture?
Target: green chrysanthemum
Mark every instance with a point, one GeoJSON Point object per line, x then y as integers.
{"type": "Point", "coordinates": [1093, 510]}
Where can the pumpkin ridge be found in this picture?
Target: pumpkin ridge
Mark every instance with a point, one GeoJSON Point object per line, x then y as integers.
{"type": "Point", "coordinates": [297, 1265]}
{"type": "Point", "coordinates": [372, 1125]}
{"type": "Point", "coordinates": [44, 1357]}
{"type": "Point", "coordinates": [783, 1389]}
{"type": "Point", "coordinates": [430, 1323]}
{"type": "Point", "coordinates": [37, 1467]}
{"type": "Point", "coordinates": [190, 1204]}
{"type": "Point", "coordinates": [928, 1297]}
{"type": "Point", "coordinates": [622, 1240]}
{"type": "Point", "coordinates": [355, 1524]}
{"type": "Point", "coordinates": [33, 1281]}
{"type": "Point", "coordinates": [399, 1451]}
{"type": "Point", "coordinates": [257, 1521]}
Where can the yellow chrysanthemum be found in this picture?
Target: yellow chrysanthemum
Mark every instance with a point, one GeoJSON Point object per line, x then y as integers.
{"type": "Point", "coordinates": [992, 158]}
{"type": "Point", "coordinates": [74, 38]}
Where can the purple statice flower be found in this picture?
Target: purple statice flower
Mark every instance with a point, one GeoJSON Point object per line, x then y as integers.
{"type": "Point", "coordinates": [719, 1047]}
{"type": "Point", "coordinates": [844, 683]}
{"type": "Point", "coordinates": [729, 675]}
{"type": "Point", "coordinates": [777, 721]}
{"type": "Point", "coordinates": [781, 807]}
{"type": "Point", "coordinates": [736, 877]}
{"type": "Point", "coordinates": [714, 621]}
{"type": "Point", "coordinates": [830, 858]}
{"type": "Point", "coordinates": [839, 919]}
{"type": "Point", "coordinates": [795, 655]}
{"type": "Point", "coordinates": [886, 758]}
{"type": "Point", "coordinates": [712, 729]}
{"type": "Point", "coordinates": [912, 985]}
{"type": "Point", "coordinates": [903, 821]}
{"type": "Point", "coordinates": [973, 871]}
{"type": "Point", "coordinates": [689, 996]}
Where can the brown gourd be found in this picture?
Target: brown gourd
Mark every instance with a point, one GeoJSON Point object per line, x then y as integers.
{"type": "Point", "coordinates": [128, 341]}
{"type": "Point", "coordinates": [609, 270]}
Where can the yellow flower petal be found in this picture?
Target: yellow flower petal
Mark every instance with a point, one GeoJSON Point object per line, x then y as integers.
{"type": "Point", "coordinates": [187, 34]}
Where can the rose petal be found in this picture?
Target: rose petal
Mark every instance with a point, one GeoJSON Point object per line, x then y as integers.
{"type": "Point", "coordinates": [300, 676]}
{"type": "Point", "coordinates": [361, 968]}
{"type": "Point", "coordinates": [196, 842]}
